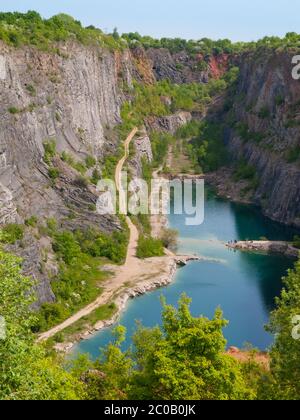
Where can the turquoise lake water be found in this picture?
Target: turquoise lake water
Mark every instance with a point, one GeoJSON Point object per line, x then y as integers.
{"type": "Point", "coordinates": [244, 285]}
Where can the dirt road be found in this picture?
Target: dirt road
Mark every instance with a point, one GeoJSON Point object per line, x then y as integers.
{"type": "Point", "coordinates": [123, 274]}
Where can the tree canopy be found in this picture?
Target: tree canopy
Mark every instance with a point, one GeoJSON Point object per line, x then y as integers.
{"type": "Point", "coordinates": [26, 371]}
{"type": "Point", "coordinates": [285, 353]}
{"type": "Point", "coordinates": [185, 359]}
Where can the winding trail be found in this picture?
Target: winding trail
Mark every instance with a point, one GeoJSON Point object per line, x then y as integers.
{"type": "Point", "coordinates": [124, 273]}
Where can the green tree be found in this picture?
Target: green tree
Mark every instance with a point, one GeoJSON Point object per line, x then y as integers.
{"type": "Point", "coordinates": [284, 383]}
{"type": "Point", "coordinates": [26, 372]}
{"type": "Point", "coordinates": [185, 359]}
{"type": "Point", "coordinates": [66, 246]}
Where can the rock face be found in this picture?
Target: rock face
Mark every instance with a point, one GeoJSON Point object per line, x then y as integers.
{"type": "Point", "coordinates": [143, 150]}
{"type": "Point", "coordinates": [181, 67]}
{"type": "Point", "coordinates": [74, 99]}
{"type": "Point", "coordinates": [267, 105]}
{"type": "Point", "coordinates": [34, 265]}
{"type": "Point", "coordinates": [170, 123]}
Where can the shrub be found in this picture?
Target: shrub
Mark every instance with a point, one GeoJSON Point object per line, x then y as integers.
{"type": "Point", "coordinates": [12, 233]}
{"type": "Point", "coordinates": [31, 90]}
{"type": "Point", "coordinates": [264, 113]}
{"type": "Point", "coordinates": [244, 171]}
{"type": "Point", "coordinates": [31, 107]}
{"type": "Point", "coordinates": [65, 157]}
{"type": "Point", "coordinates": [208, 150]}
{"type": "Point", "coordinates": [81, 182]}
{"type": "Point", "coordinates": [79, 167]}
{"type": "Point", "coordinates": [13, 110]}
{"type": "Point", "coordinates": [90, 162]}
{"type": "Point", "coordinates": [247, 135]}
{"type": "Point", "coordinates": [293, 154]}
{"type": "Point", "coordinates": [149, 247]}
{"type": "Point", "coordinates": [279, 100]}
{"type": "Point", "coordinates": [109, 166]}
{"type": "Point", "coordinates": [32, 221]}
{"type": "Point", "coordinates": [58, 117]}
{"type": "Point", "coordinates": [296, 241]}
{"type": "Point", "coordinates": [189, 130]}
{"type": "Point", "coordinates": [51, 314]}
{"type": "Point", "coordinates": [160, 143]}
{"type": "Point", "coordinates": [98, 244]}
{"type": "Point", "coordinates": [53, 173]}
{"type": "Point", "coordinates": [49, 150]}
{"type": "Point", "coordinates": [95, 177]}
{"type": "Point", "coordinates": [51, 228]}
{"type": "Point", "coordinates": [66, 246]}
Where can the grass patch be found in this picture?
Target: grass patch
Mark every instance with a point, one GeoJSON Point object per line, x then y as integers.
{"type": "Point", "coordinates": [13, 110]}
{"type": "Point", "coordinates": [32, 221]}
{"type": "Point", "coordinates": [90, 162]}
{"type": "Point", "coordinates": [12, 233]}
{"type": "Point", "coordinates": [102, 313]}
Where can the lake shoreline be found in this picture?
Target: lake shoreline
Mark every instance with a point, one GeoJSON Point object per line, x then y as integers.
{"type": "Point", "coordinates": [142, 286]}
{"type": "Point", "coordinates": [171, 263]}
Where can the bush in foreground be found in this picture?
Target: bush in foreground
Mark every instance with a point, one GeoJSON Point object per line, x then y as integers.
{"type": "Point", "coordinates": [149, 247]}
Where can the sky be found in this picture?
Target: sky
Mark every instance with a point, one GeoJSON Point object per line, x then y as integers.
{"type": "Point", "coordinates": [238, 20]}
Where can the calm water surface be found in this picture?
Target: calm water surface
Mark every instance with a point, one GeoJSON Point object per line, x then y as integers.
{"type": "Point", "coordinates": [243, 285]}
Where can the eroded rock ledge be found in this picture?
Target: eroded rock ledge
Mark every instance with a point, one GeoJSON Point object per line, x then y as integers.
{"type": "Point", "coordinates": [268, 247]}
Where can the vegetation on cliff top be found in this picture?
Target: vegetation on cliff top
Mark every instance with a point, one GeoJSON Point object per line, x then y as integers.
{"type": "Point", "coordinates": [31, 29]}
{"type": "Point", "coordinates": [207, 47]}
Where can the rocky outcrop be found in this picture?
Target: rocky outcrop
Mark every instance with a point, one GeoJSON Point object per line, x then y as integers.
{"type": "Point", "coordinates": [170, 123]}
{"type": "Point", "coordinates": [37, 264]}
{"type": "Point", "coordinates": [268, 247]}
{"type": "Point", "coordinates": [143, 150]}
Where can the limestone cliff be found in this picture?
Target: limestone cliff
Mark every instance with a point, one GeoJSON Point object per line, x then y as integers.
{"type": "Point", "coordinates": [265, 131]}
{"type": "Point", "coordinates": [74, 97]}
